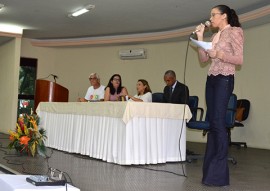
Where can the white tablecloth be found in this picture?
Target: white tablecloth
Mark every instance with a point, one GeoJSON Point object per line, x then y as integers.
{"type": "Point", "coordinates": [119, 132]}
{"type": "Point", "coordinates": [19, 183]}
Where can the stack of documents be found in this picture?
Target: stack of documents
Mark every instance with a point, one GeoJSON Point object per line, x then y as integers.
{"type": "Point", "coordinates": [202, 44]}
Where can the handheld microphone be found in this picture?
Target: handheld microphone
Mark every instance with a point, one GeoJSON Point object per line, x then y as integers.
{"type": "Point", "coordinates": [206, 24]}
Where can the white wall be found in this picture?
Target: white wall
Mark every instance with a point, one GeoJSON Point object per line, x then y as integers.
{"type": "Point", "coordinates": [252, 83]}
{"type": "Point", "coordinates": [73, 66]}
{"type": "Point", "coordinates": [9, 77]}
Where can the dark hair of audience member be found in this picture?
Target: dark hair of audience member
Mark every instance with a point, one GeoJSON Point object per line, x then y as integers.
{"type": "Point", "coordinates": [110, 85]}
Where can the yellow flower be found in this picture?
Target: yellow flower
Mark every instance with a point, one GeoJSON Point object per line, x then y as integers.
{"type": "Point", "coordinates": [13, 134]}
{"type": "Point", "coordinates": [19, 130]}
{"type": "Point", "coordinates": [34, 123]}
{"type": "Point", "coordinates": [26, 131]}
{"type": "Point", "coordinates": [33, 149]}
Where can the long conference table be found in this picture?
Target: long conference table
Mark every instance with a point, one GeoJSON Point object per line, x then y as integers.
{"type": "Point", "coordinates": [124, 133]}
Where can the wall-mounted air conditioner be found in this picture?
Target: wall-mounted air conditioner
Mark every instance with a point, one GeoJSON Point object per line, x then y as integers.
{"type": "Point", "coordinates": [132, 54]}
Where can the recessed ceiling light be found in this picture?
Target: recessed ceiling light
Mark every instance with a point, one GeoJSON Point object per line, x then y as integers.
{"type": "Point", "coordinates": [82, 11]}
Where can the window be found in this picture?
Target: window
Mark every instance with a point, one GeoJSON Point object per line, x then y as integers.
{"type": "Point", "coordinates": [27, 80]}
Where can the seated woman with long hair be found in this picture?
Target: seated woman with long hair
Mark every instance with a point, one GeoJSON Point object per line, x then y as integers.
{"type": "Point", "coordinates": [144, 92]}
{"type": "Point", "coordinates": [114, 89]}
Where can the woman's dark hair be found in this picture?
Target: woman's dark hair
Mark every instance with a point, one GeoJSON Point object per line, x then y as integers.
{"type": "Point", "coordinates": [110, 85]}
{"type": "Point", "coordinates": [145, 83]}
{"type": "Point", "coordinates": [231, 15]}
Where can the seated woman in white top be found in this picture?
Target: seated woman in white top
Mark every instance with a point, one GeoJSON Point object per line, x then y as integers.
{"type": "Point", "coordinates": [144, 92]}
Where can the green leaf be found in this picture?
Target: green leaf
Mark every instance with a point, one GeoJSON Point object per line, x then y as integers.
{"type": "Point", "coordinates": [41, 149]}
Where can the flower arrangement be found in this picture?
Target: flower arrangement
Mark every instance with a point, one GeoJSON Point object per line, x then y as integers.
{"type": "Point", "coordinates": [27, 137]}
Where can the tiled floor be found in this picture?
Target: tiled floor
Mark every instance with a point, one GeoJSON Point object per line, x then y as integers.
{"type": "Point", "coordinates": [252, 171]}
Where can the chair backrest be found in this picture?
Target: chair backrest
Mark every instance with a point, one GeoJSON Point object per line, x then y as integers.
{"type": "Point", "coordinates": [231, 111]}
{"type": "Point", "coordinates": [157, 97]}
{"type": "Point", "coordinates": [246, 105]}
{"type": "Point", "coordinates": [230, 117]}
{"type": "Point", "coordinates": [193, 103]}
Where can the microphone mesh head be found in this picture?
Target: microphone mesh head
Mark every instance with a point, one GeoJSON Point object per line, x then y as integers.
{"type": "Point", "coordinates": [207, 23]}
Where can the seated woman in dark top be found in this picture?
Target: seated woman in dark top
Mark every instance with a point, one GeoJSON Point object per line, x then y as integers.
{"type": "Point", "coordinates": [114, 89]}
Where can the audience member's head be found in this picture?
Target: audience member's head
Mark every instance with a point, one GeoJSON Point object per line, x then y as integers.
{"type": "Point", "coordinates": [95, 92]}
{"type": "Point", "coordinates": [143, 87]}
{"type": "Point", "coordinates": [115, 84]}
{"type": "Point", "coordinates": [169, 77]}
{"type": "Point", "coordinates": [94, 79]}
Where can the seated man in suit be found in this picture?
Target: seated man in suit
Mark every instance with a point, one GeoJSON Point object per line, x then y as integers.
{"type": "Point", "coordinates": [174, 91]}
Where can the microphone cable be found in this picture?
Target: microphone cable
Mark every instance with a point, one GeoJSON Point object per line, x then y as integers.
{"type": "Point", "coordinates": [184, 113]}
{"type": "Point", "coordinates": [54, 77]}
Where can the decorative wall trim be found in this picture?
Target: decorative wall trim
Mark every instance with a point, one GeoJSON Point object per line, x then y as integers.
{"type": "Point", "coordinates": [256, 14]}
{"type": "Point", "coordinates": [142, 37]}
{"type": "Point", "coordinates": [6, 34]}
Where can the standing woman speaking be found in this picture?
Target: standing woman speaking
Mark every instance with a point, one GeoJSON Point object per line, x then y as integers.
{"type": "Point", "coordinates": [226, 53]}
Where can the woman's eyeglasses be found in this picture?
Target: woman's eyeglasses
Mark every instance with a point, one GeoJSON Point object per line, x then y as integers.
{"type": "Point", "coordinates": [213, 14]}
{"type": "Point", "coordinates": [116, 79]}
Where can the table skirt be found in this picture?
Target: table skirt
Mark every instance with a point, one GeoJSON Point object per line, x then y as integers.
{"type": "Point", "coordinates": [139, 141]}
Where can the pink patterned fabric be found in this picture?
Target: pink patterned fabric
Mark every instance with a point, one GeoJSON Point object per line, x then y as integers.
{"type": "Point", "coordinates": [115, 96]}
{"type": "Point", "coordinates": [230, 42]}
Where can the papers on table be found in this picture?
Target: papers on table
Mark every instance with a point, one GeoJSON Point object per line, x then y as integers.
{"type": "Point", "coordinates": [202, 44]}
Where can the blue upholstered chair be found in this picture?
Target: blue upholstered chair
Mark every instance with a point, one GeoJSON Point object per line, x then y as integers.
{"type": "Point", "coordinates": [193, 104]}
{"type": "Point", "coordinates": [157, 97]}
{"type": "Point", "coordinates": [204, 125]}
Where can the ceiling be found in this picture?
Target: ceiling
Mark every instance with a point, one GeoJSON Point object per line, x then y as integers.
{"type": "Point", "coordinates": [48, 19]}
